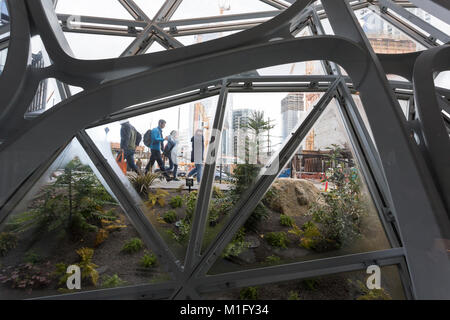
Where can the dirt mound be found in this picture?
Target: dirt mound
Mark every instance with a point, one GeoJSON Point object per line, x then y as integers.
{"type": "Point", "coordinates": [293, 196]}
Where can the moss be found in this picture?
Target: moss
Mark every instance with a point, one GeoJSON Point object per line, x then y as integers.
{"type": "Point", "coordinates": [250, 293]}
{"type": "Point", "coordinates": [286, 220]}
{"type": "Point", "coordinates": [277, 239]}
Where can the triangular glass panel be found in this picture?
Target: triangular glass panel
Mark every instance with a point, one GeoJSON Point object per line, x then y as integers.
{"type": "Point", "coordinates": [150, 8]}
{"type": "Point", "coordinates": [198, 38]}
{"type": "Point", "coordinates": [95, 46]}
{"type": "Point", "coordinates": [4, 14]}
{"type": "Point", "coordinates": [430, 19]}
{"type": "Point", "coordinates": [97, 8]}
{"type": "Point", "coordinates": [166, 202]}
{"type": "Point", "coordinates": [190, 9]}
{"type": "Point", "coordinates": [383, 36]}
{"type": "Point", "coordinates": [339, 286]}
{"type": "Point", "coordinates": [70, 217]}
{"type": "Point", "coordinates": [319, 206]}
{"type": "Point", "coordinates": [3, 55]}
{"type": "Point", "coordinates": [155, 47]}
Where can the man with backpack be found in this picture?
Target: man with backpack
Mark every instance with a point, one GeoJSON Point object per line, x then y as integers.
{"type": "Point", "coordinates": [155, 141]}
{"type": "Point", "coordinates": [129, 139]}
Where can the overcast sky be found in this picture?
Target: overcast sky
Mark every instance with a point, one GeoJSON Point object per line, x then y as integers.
{"type": "Point", "coordinates": [98, 46]}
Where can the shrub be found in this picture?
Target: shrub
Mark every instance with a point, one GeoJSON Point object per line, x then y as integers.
{"type": "Point", "coordinates": [60, 273]}
{"type": "Point", "coordinates": [311, 284]}
{"type": "Point", "coordinates": [310, 237]}
{"type": "Point", "coordinates": [157, 197]}
{"type": "Point", "coordinates": [277, 239]}
{"type": "Point", "coordinates": [213, 214]}
{"type": "Point", "coordinates": [8, 241]}
{"type": "Point", "coordinates": [293, 295]}
{"type": "Point", "coordinates": [286, 220]}
{"type": "Point", "coordinates": [273, 259]}
{"type": "Point", "coordinates": [236, 246]}
{"type": "Point", "coordinates": [271, 200]}
{"type": "Point", "coordinates": [370, 294]}
{"type": "Point", "coordinates": [87, 267]}
{"type": "Point", "coordinates": [112, 281]}
{"type": "Point", "coordinates": [142, 182]}
{"type": "Point", "coordinates": [260, 213]}
{"type": "Point", "coordinates": [170, 216]}
{"type": "Point", "coordinates": [182, 233]}
{"type": "Point", "coordinates": [100, 237]}
{"type": "Point", "coordinates": [340, 216]}
{"type": "Point", "coordinates": [176, 202]}
{"type": "Point", "coordinates": [133, 245]}
{"type": "Point", "coordinates": [190, 200]}
{"type": "Point", "coordinates": [26, 276]}
{"type": "Point", "coordinates": [250, 293]}
{"type": "Point", "coordinates": [74, 202]}
{"type": "Point", "coordinates": [148, 260]}
{"type": "Point", "coordinates": [217, 193]}
{"type": "Point", "coordinates": [32, 257]}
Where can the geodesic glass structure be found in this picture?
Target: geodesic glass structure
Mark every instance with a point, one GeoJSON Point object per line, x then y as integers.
{"type": "Point", "coordinates": [325, 149]}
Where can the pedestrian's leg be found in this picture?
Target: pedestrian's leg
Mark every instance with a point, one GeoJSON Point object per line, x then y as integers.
{"type": "Point", "coordinates": [175, 168]}
{"type": "Point", "coordinates": [170, 164]}
{"type": "Point", "coordinates": [192, 172]}
{"type": "Point", "coordinates": [199, 171]}
{"type": "Point", "coordinates": [129, 156]}
{"type": "Point", "coordinates": [161, 164]}
{"type": "Point", "coordinates": [150, 164]}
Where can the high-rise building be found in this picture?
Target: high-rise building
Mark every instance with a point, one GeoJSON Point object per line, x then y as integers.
{"type": "Point", "coordinates": [39, 102]}
{"type": "Point", "coordinates": [240, 120]}
{"type": "Point", "coordinates": [292, 112]}
{"type": "Point", "coordinates": [4, 15]}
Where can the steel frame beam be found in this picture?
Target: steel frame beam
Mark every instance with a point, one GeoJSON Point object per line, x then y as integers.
{"type": "Point", "coordinates": [401, 11]}
{"type": "Point", "coordinates": [438, 8]}
{"type": "Point", "coordinates": [413, 170]}
{"type": "Point", "coordinates": [365, 150]}
{"type": "Point", "coordinates": [299, 270]}
{"type": "Point", "coordinates": [188, 279]}
{"type": "Point", "coordinates": [251, 198]}
{"type": "Point", "coordinates": [133, 207]}
{"type": "Point", "coordinates": [204, 196]}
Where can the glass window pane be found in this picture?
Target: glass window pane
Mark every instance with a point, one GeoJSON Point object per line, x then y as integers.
{"type": "Point", "coordinates": [168, 205]}
{"type": "Point", "coordinates": [340, 286]}
{"type": "Point", "coordinates": [383, 36]}
{"type": "Point", "coordinates": [204, 8]}
{"type": "Point", "coordinates": [97, 8]}
{"type": "Point", "coordinates": [318, 207]}
{"type": "Point", "coordinates": [94, 46]}
{"type": "Point", "coordinates": [70, 217]}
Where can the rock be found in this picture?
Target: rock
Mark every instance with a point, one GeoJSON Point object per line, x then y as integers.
{"type": "Point", "coordinates": [253, 242]}
{"type": "Point", "coordinates": [293, 196]}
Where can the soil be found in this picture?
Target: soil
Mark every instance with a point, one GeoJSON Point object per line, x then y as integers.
{"type": "Point", "coordinates": [295, 197]}
{"type": "Point", "coordinates": [51, 248]}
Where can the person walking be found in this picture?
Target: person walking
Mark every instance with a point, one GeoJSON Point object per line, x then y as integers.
{"type": "Point", "coordinates": [171, 152]}
{"type": "Point", "coordinates": [156, 147]}
{"type": "Point", "coordinates": [198, 146]}
{"type": "Point", "coordinates": [129, 139]}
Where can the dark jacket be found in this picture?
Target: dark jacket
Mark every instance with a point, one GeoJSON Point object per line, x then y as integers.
{"type": "Point", "coordinates": [196, 154]}
{"type": "Point", "coordinates": [129, 137]}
